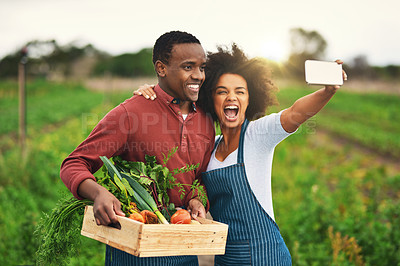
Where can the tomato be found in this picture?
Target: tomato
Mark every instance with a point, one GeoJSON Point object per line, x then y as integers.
{"type": "Point", "coordinates": [137, 217]}
{"type": "Point", "coordinates": [181, 217]}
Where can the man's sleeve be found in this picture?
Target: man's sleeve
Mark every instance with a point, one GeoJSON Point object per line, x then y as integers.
{"type": "Point", "coordinates": [106, 139]}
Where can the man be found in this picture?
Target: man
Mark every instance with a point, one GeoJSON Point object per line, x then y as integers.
{"type": "Point", "coordinates": [138, 127]}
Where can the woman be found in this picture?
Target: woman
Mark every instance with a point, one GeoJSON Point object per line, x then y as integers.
{"type": "Point", "coordinates": [238, 177]}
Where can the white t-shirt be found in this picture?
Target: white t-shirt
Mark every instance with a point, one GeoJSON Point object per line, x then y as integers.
{"type": "Point", "coordinates": [260, 140]}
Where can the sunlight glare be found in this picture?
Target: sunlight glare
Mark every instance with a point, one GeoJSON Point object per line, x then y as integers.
{"type": "Point", "coordinates": [273, 50]}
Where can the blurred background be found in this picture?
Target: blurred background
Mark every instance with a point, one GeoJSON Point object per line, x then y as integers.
{"type": "Point", "coordinates": [336, 183]}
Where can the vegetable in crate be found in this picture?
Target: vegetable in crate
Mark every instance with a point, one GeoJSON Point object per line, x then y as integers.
{"type": "Point", "coordinates": [132, 190]}
{"type": "Point", "coordinates": [140, 187]}
{"type": "Point", "coordinates": [181, 217]}
{"type": "Point", "coordinates": [137, 217]}
{"type": "Point", "coordinates": [149, 217]}
{"type": "Point", "coordinates": [157, 179]}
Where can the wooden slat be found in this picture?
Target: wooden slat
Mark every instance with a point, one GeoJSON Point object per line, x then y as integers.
{"type": "Point", "coordinates": [126, 239]}
{"type": "Point", "coordinates": [148, 240]}
{"type": "Point", "coordinates": [181, 252]}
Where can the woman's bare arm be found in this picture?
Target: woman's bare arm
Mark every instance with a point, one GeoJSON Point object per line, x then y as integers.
{"type": "Point", "coordinates": [308, 106]}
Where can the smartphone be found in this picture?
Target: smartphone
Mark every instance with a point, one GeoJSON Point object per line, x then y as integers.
{"type": "Point", "coordinates": [323, 73]}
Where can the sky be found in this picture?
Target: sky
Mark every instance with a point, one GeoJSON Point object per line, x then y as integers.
{"type": "Point", "coordinates": [260, 27]}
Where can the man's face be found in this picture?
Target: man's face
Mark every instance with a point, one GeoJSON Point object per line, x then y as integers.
{"type": "Point", "coordinates": [184, 74]}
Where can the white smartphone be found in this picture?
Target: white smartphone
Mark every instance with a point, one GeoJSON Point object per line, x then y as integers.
{"type": "Point", "coordinates": [323, 73]}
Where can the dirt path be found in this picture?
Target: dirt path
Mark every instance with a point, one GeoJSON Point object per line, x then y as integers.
{"type": "Point", "coordinates": [390, 162]}
{"type": "Point", "coordinates": [367, 86]}
{"type": "Point", "coordinates": [118, 84]}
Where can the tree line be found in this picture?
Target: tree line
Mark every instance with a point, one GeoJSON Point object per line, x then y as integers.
{"type": "Point", "coordinates": [48, 59]}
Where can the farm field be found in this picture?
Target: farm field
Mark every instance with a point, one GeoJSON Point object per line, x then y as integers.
{"type": "Point", "coordinates": [336, 182]}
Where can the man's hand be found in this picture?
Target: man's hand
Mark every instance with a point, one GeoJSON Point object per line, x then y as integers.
{"type": "Point", "coordinates": [196, 208]}
{"type": "Point", "coordinates": [106, 206]}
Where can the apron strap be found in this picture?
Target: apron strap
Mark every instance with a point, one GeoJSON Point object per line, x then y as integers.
{"type": "Point", "coordinates": [241, 141]}
{"type": "Point", "coordinates": [217, 142]}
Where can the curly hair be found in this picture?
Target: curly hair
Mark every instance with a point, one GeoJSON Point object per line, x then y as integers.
{"type": "Point", "coordinates": [255, 71]}
{"type": "Point", "coordinates": [164, 44]}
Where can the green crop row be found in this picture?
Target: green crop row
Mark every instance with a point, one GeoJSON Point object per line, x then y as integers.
{"type": "Point", "coordinates": [48, 103]}
{"type": "Point", "coordinates": [31, 186]}
{"type": "Point", "coordinates": [334, 204]}
{"type": "Point", "coordinates": [370, 119]}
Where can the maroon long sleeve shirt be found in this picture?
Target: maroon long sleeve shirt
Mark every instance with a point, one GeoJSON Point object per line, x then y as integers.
{"type": "Point", "coordinates": [138, 127]}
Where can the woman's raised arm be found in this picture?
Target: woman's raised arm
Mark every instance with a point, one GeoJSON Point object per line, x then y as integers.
{"type": "Point", "coordinates": [308, 106]}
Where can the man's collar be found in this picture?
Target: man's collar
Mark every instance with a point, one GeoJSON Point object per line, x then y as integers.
{"type": "Point", "coordinates": [168, 99]}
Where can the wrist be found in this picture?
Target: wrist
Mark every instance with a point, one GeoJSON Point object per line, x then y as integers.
{"type": "Point", "coordinates": [190, 202]}
{"type": "Point", "coordinates": [89, 189]}
{"type": "Point", "coordinates": [99, 191]}
{"type": "Point", "coordinates": [195, 198]}
{"type": "Point", "coordinates": [330, 90]}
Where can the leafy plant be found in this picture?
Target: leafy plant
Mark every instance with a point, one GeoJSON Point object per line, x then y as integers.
{"type": "Point", "coordinates": [137, 193]}
{"type": "Point", "coordinates": [158, 179]}
{"type": "Point", "coordinates": [59, 232]}
{"type": "Point", "coordinates": [346, 247]}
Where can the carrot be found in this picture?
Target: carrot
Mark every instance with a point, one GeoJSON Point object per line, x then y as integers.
{"type": "Point", "coordinates": [137, 217]}
{"type": "Point", "coordinates": [149, 217]}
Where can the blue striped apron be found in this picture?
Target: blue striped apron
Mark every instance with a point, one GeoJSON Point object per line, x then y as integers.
{"type": "Point", "coordinates": [116, 257]}
{"type": "Point", "coordinates": [253, 236]}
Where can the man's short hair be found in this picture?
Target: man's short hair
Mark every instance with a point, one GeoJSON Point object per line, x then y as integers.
{"type": "Point", "coordinates": [164, 44]}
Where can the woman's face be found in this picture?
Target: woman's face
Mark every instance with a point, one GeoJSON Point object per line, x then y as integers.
{"type": "Point", "coordinates": [231, 98]}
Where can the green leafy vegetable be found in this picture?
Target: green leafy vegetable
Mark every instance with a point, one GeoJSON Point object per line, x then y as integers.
{"type": "Point", "coordinates": [142, 197]}
{"type": "Point", "coordinates": [158, 179]}
{"type": "Point", "coordinates": [59, 232]}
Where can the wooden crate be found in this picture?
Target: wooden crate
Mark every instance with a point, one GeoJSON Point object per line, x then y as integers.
{"type": "Point", "coordinates": [151, 240]}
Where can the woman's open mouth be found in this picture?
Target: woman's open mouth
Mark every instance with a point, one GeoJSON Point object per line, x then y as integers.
{"type": "Point", "coordinates": [231, 112]}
